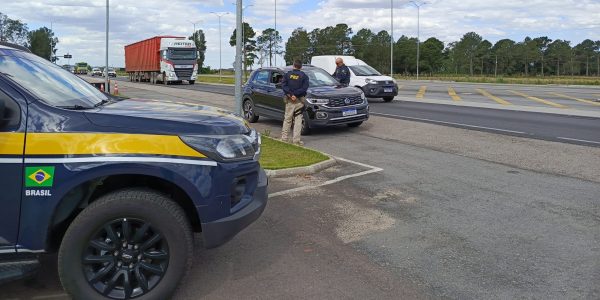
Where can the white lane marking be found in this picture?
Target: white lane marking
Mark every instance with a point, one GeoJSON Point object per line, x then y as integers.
{"type": "Point", "coordinates": [450, 123]}
{"type": "Point", "coordinates": [372, 169]}
{"type": "Point", "coordinates": [577, 140]}
{"type": "Point", "coordinates": [11, 160]}
{"type": "Point", "coordinates": [119, 159]}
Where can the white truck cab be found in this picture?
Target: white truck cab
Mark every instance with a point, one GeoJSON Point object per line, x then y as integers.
{"type": "Point", "coordinates": [363, 76]}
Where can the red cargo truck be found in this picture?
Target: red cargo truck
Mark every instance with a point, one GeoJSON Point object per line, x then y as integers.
{"type": "Point", "coordinates": [165, 59]}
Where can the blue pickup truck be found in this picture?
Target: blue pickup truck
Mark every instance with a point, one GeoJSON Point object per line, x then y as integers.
{"type": "Point", "coordinates": [116, 186]}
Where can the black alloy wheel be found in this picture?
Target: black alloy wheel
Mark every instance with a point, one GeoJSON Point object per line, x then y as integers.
{"type": "Point", "coordinates": [248, 110]}
{"type": "Point", "coordinates": [126, 258]}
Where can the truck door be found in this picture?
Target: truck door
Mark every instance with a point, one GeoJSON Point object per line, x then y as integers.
{"type": "Point", "coordinates": [12, 140]}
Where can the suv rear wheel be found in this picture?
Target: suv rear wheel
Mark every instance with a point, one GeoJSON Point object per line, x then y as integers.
{"type": "Point", "coordinates": [129, 243]}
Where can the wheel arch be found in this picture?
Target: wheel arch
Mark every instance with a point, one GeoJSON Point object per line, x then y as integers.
{"type": "Point", "coordinates": [86, 192]}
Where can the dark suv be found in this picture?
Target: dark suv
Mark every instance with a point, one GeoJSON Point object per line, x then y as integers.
{"type": "Point", "coordinates": [327, 102]}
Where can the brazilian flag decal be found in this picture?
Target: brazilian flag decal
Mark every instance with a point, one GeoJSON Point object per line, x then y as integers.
{"type": "Point", "coordinates": [39, 176]}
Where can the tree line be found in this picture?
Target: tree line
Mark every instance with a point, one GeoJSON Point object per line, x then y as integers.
{"type": "Point", "coordinates": [41, 41]}
{"type": "Point", "coordinates": [471, 55]}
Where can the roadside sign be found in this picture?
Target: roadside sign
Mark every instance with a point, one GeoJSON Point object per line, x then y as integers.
{"type": "Point", "coordinates": [68, 56]}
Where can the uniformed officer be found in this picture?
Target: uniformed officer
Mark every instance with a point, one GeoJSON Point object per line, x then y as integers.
{"type": "Point", "coordinates": [294, 85]}
{"type": "Point", "coordinates": [342, 73]}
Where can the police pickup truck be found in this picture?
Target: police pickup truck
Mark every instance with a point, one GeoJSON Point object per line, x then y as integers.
{"type": "Point", "coordinates": [116, 187]}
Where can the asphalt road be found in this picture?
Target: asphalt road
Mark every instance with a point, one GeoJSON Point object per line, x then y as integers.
{"type": "Point", "coordinates": [454, 214]}
{"type": "Point", "coordinates": [554, 127]}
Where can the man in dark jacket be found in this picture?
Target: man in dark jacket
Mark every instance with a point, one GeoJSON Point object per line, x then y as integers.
{"type": "Point", "coordinates": [294, 85]}
{"type": "Point", "coordinates": [342, 73]}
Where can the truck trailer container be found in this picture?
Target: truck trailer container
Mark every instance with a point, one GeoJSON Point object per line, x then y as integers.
{"type": "Point", "coordinates": [165, 59]}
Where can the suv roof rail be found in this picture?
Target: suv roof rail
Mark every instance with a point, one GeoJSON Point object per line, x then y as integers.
{"type": "Point", "coordinates": [15, 46]}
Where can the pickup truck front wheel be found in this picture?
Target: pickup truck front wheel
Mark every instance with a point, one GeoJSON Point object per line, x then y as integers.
{"type": "Point", "coordinates": [132, 243]}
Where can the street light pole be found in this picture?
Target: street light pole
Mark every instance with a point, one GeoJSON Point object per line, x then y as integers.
{"type": "Point", "coordinates": [418, 5]}
{"type": "Point", "coordinates": [106, 87]}
{"type": "Point", "coordinates": [219, 15]}
{"type": "Point", "coordinates": [392, 39]}
{"type": "Point", "coordinates": [238, 59]}
{"type": "Point", "coordinates": [276, 35]}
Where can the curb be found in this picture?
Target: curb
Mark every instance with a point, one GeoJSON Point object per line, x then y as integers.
{"type": "Point", "coordinates": [302, 170]}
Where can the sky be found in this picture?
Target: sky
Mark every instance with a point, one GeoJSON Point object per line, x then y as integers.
{"type": "Point", "coordinates": [80, 24]}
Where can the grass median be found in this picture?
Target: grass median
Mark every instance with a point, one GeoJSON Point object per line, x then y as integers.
{"type": "Point", "coordinates": [561, 80]}
{"type": "Point", "coordinates": [278, 155]}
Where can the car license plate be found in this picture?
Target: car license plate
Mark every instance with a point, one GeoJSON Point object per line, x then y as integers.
{"type": "Point", "coordinates": [183, 66]}
{"type": "Point", "coordinates": [348, 112]}
{"type": "Point", "coordinates": [388, 90]}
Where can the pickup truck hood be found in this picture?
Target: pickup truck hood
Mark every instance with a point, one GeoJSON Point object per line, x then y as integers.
{"type": "Point", "coordinates": [333, 91]}
{"type": "Point", "coordinates": [167, 117]}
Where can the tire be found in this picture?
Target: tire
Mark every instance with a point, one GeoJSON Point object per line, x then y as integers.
{"type": "Point", "coordinates": [164, 79]}
{"type": "Point", "coordinates": [355, 124]}
{"type": "Point", "coordinates": [167, 240]}
{"type": "Point", "coordinates": [388, 99]}
{"type": "Point", "coordinates": [305, 128]}
{"type": "Point", "coordinates": [249, 111]}
{"type": "Point", "coordinates": [191, 82]}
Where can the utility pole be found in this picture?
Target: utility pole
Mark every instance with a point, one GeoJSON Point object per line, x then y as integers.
{"type": "Point", "coordinates": [418, 6]}
{"type": "Point", "coordinates": [106, 87]}
{"type": "Point", "coordinates": [219, 15]}
{"type": "Point", "coordinates": [276, 35]}
{"type": "Point", "coordinates": [496, 67]}
{"type": "Point", "coordinates": [238, 59]}
{"type": "Point", "coordinates": [392, 39]}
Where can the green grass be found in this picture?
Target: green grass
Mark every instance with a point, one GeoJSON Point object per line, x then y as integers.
{"type": "Point", "coordinates": [279, 155]}
{"type": "Point", "coordinates": [215, 79]}
{"type": "Point", "coordinates": [563, 80]}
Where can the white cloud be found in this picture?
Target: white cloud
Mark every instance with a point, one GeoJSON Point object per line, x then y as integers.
{"type": "Point", "coordinates": [79, 24]}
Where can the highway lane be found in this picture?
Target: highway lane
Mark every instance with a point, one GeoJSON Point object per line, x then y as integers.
{"type": "Point", "coordinates": [554, 127]}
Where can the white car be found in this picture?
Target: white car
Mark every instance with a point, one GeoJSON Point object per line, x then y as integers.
{"type": "Point", "coordinates": [96, 72]}
{"type": "Point", "coordinates": [362, 76]}
{"type": "Point", "coordinates": [111, 73]}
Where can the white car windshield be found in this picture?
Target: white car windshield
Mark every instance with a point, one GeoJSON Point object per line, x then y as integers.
{"type": "Point", "coordinates": [48, 82]}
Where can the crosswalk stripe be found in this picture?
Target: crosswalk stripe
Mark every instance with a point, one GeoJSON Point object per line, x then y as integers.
{"type": "Point", "coordinates": [576, 99]}
{"type": "Point", "coordinates": [453, 94]}
{"type": "Point", "coordinates": [539, 100]}
{"type": "Point", "coordinates": [497, 99]}
{"type": "Point", "coordinates": [421, 92]}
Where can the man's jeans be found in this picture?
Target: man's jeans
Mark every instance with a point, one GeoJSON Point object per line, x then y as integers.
{"type": "Point", "coordinates": [293, 113]}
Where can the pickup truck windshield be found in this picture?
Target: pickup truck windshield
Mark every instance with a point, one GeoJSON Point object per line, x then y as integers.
{"type": "Point", "coordinates": [364, 70]}
{"type": "Point", "coordinates": [187, 54]}
{"type": "Point", "coordinates": [318, 77]}
{"type": "Point", "coordinates": [48, 82]}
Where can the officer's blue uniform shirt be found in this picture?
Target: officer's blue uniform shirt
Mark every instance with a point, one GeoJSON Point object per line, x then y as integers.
{"type": "Point", "coordinates": [342, 74]}
{"type": "Point", "coordinates": [295, 82]}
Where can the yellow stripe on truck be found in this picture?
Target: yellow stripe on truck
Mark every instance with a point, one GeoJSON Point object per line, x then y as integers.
{"type": "Point", "coordinates": [106, 143]}
{"type": "Point", "coordinates": [11, 143]}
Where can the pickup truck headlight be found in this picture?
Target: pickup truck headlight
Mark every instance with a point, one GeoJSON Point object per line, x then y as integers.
{"type": "Point", "coordinates": [317, 101]}
{"type": "Point", "coordinates": [226, 147]}
{"type": "Point", "coordinates": [370, 81]}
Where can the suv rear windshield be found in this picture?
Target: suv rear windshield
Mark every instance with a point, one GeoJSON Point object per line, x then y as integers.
{"type": "Point", "coordinates": [47, 81]}
{"type": "Point", "coordinates": [364, 70]}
